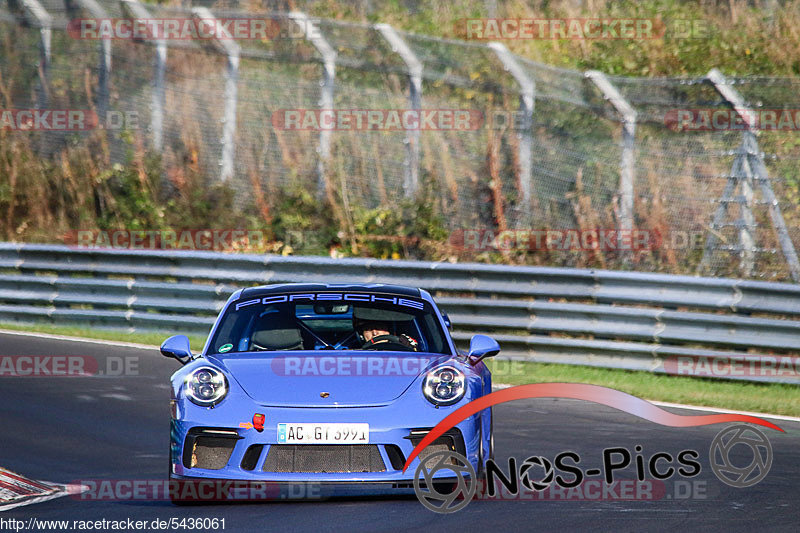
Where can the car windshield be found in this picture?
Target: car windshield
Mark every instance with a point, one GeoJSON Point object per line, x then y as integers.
{"type": "Point", "coordinates": [326, 321]}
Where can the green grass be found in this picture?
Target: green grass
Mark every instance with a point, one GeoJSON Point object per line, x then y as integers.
{"type": "Point", "coordinates": [727, 394]}
{"type": "Point", "coordinates": [154, 338]}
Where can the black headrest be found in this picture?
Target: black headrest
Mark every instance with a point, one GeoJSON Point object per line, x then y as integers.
{"type": "Point", "coordinates": [277, 332]}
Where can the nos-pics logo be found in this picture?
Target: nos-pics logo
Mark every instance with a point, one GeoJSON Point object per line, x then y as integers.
{"type": "Point", "coordinates": [445, 482]}
{"type": "Point", "coordinates": [450, 481]}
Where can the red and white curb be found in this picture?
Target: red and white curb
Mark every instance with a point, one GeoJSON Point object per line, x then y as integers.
{"type": "Point", "coordinates": [17, 490]}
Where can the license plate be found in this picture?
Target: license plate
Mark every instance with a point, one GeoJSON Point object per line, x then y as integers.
{"type": "Point", "coordinates": [323, 433]}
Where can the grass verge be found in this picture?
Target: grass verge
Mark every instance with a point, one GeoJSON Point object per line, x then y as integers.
{"type": "Point", "coordinates": [727, 394]}
{"type": "Point", "coordinates": [782, 399]}
{"type": "Point", "coordinates": [154, 338]}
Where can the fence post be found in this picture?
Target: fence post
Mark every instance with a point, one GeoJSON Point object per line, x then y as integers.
{"type": "Point", "coordinates": [104, 65]}
{"type": "Point", "coordinates": [741, 173]}
{"type": "Point", "coordinates": [411, 181]}
{"type": "Point", "coordinates": [313, 35]}
{"type": "Point", "coordinates": [159, 95]}
{"type": "Point", "coordinates": [754, 164]}
{"type": "Point", "coordinates": [37, 16]}
{"type": "Point", "coordinates": [137, 11]}
{"type": "Point", "coordinates": [626, 176]}
{"type": "Point", "coordinates": [527, 102]}
{"type": "Point", "coordinates": [232, 52]}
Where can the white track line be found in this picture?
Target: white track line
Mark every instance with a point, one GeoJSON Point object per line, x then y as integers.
{"type": "Point", "coordinates": [498, 386]}
{"type": "Point", "coordinates": [78, 339]}
{"type": "Point", "coordinates": [720, 410]}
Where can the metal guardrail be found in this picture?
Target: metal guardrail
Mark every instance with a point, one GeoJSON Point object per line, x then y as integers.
{"type": "Point", "coordinates": [598, 318]}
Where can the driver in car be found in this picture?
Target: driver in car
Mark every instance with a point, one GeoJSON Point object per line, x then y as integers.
{"type": "Point", "coordinates": [374, 332]}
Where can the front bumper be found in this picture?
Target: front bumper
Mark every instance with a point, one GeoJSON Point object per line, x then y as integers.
{"type": "Point", "coordinates": [230, 452]}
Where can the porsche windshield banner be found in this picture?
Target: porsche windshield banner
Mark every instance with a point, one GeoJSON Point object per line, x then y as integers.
{"type": "Point", "coordinates": [332, 297]}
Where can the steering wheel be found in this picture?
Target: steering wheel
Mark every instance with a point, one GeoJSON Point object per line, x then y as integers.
{"type": "Point", "coordinates": [386, 343]}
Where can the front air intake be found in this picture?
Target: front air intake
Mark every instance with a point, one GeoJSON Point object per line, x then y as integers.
{"type": "Point", "coordinates": [331, 458]}
{"type": "Point", "coordinates": [209, 448]}
{"type": "Point", "coordinates": [451, 441]}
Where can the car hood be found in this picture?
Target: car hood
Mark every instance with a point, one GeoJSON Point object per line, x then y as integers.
{"type": "Point", "coordinates": [326, 378]}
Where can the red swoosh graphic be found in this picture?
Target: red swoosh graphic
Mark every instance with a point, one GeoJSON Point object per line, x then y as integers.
{"type": "Point", "coordinates": [581, 391]}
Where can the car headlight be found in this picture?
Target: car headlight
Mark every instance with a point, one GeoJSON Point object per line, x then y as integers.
{"type": "Point", "coordinates": [444, 385]}
{"type": "Point", "coordinates": [206, 386]}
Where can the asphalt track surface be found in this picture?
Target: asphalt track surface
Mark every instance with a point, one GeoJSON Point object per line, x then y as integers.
{"type": "Point", "coordinates": [69, 429]}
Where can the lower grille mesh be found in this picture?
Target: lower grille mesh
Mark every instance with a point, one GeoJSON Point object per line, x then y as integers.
{"type": "Point", "coordinates": [431, 449]}
{"type": "Point", "coordinates": [310, 458]}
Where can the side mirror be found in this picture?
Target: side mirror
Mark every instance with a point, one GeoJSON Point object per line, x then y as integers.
{"type": "Point", "coordinates": [481, 346]}
{"type": "Point", "coordinates": [177, 347]}
{"type": "Point", "coordinates": [447, 321]}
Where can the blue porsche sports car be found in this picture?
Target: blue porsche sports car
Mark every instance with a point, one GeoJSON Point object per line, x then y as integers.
{"type": "Point", "coordinates": [327, 384]}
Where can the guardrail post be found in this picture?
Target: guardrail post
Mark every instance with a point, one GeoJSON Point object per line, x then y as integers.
{"type": "Point", "coordinates": [411, 177]}
{"type": "Point", "coordinates": [137, 11]}
{"type": "Point", "coordinates": [37, 16]}
{"type": "Point", "coordinates": [527, 102]}
{"type": "Point", "coordinates": [753, 167]}
{"type": "Point", "coordinates": [104, 64]}
{"type": "Point", "coordinates": [313, 35]}
{"type": "Point", "coordinates": [626, 176]}
{"type": "Point", "coordinates": [232, 52]}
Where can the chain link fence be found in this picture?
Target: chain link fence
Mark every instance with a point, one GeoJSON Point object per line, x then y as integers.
{"type": "Point", "coordinates": [554, 149]}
